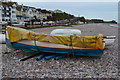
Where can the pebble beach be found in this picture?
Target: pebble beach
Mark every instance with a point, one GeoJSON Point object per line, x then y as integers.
{"type": "Point", "coordinates": [105, 66]}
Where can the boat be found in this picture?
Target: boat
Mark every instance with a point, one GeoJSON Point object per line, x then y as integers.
{"type": "Point", "coordinates": [23, 39]}
{"type": "Point", "coordinates": [114, 25]}
{"type": "Point", "coordinates": [109, 41]}
{"type": "Point", "coordinates": [66, 32]}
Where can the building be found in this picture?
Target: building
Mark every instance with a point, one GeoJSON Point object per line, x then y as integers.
{"type": "Point", "coordinates": [43, 14]}
{"type": "Point", "coordinates": [22, 13]}
{"type": "Point", "coordinates": [15, 13]}
{"type": "Point", "coordinates": [56, 11]}
{"type": "Point", "coordinates": [26, 13]}
{"type": "Point", "coordinates": [9, 12]}
{"type": "Point", "coordinates": [0, 12]}
{"type": "Point", "coordinates": [19, 14]}
{"type": "Point", "coordinates": [4, 0]}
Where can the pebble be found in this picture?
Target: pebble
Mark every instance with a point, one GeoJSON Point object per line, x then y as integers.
{"type": "Point", "coordinates": [68, 67]}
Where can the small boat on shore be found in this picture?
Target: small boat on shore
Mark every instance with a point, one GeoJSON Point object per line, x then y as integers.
{"type": "Point", "coordinates": [114, 25]}
{"type": "Point", "coordinates": [22, 39]}
{"type": "Point", "coordinates": [66, 32]}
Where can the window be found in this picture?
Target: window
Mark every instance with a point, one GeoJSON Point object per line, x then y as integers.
{"type": "Point", "coordinates": [8, 15]}
{"type": "Point", "coordinates": [13, 11]}
{"type": "Point", "coordinates": [4, 8]}
{"type": "Point", "coordinates": [13, 16]}
{"type": "Point", "coordinates": [14, 19]}
{"type": "Point", "coordinates": [30, 12]}
{"type": "Point", "coordinates": [14, 7]}
{"type": "Point", "coordinates": [3, 15]}
{"type": "Point", "coordinates": [9, 9]}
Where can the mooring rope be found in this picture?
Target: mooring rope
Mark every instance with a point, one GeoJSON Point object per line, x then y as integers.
{"type": "Point", "coordinates": [71, 45]}
{"type": "Point", "coordinates": [35, 39]}
{"type": "Point", "coordinates": [84, 44]}
{"type": "Point", "coordinates": [35, 42]}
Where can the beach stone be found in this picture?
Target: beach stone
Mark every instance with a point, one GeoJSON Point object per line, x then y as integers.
{"type": "Point", "coordinates": [105, 66]}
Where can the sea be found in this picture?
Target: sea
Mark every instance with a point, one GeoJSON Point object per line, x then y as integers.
{"type": "Point", "coordinates": [90, 10]}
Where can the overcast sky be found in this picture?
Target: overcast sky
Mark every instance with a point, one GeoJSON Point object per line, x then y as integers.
{"type": "Point", "coordinates": [73, 9]}
{"type": "Point", "coordinates": [65, 0]}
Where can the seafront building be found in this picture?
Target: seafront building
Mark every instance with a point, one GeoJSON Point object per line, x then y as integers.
{"type": "Point", "coordinates": [43, 14]}
{"type": "Point", "coordinates": [14, 13]}
{"type": "Point", "coordinates": [56, 11]}
{"type": "Point", "coordinates": [25, 13]}
{"type": "Point", "coordinates": [9, 12]}
{"type": "Point", "coordinates": [0, 12]}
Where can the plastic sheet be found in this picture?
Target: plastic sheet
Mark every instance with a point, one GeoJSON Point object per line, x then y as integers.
{"type": "Point", "coordinates": [17, 34]}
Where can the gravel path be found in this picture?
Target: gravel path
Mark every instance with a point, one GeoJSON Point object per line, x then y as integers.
{"type": "Point", "coordinates": [105, 66]}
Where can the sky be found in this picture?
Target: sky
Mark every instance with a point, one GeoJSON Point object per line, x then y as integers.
{"type": "Point", "coordinates": [105, 12]}
{"type": "Point", "coordinates": [65, 0]}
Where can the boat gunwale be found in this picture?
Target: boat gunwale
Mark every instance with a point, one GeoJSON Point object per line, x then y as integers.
{"type": "Point", "coordinates": [55, 47]}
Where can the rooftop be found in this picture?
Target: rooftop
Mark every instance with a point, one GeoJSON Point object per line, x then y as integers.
{"type": "Point", "coordinates": [9, 3]}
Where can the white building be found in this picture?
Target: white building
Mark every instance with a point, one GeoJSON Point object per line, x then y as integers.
{"type": "Point", "coordinates": [0, 13]}
{"type": "Point", "coordinates": [56, 11]}
{"type": "Point", "coordinates": [13, 13]}
{"type": "Point", "coordinates": [9, 12]}
{"type": "Point", "coordinates": [25, 13]}
{"type": "Point", "coordinates": [43, 14]}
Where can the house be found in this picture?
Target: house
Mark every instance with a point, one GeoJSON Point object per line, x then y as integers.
{"type": "Point", "coordinates": [25, 13]}
{"type": "Point", "coordinates": [56, 11]}
{"type": "Point", "coordinates": [43, 14]}
{"type": "Point", "coordinates": [9, 12]}
{"type": "Point", "coordinates": [21, 13]}
{"type": "Point", "coordinates": [15, 13]}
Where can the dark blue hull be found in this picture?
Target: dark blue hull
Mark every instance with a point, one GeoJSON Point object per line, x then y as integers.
{"type": "Point", "coordinates": [81, 52]}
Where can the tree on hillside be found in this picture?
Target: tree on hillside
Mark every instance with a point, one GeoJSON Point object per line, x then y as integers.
{"type": "Point", "coordinates": [60, 16]}
{"type": "Point", "coordinates": [113, 21]}
{"type": "Point", "coordinates": [82, 19]}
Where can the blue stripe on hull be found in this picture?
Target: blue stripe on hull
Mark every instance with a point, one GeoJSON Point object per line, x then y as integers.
{"type": "Point", "coordinates": [82, 52]}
